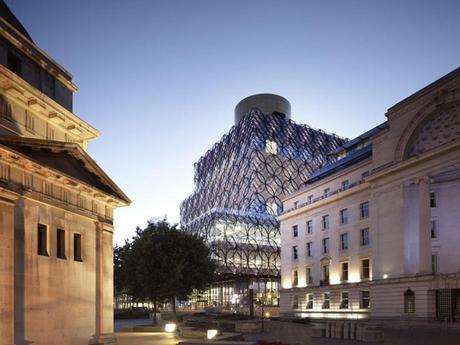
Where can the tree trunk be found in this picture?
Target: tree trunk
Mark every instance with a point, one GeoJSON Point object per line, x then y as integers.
{"type": "Point", "coordinates": [173, 303]}
{"type": "Point", "coordinates": [154, 311]}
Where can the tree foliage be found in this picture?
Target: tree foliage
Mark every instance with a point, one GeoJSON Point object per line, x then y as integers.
{"type": "Point", "coordinates": [162, 262]}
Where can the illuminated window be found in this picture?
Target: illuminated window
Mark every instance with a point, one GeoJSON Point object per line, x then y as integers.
{"type": "Point", "coordinates": [344, 274]}
{"type": "Point", "coordinates": [344, 300]}
{"type": "Point", "coordinates": [364, 209]}
{"type": "Point", "coordinates": [42, 240]}
{"type": "Point", "coordinates": [325, 245]}
{"type": "Point", "coordinates": [309, 249]}
{"type": "Point", "coordinates": [295, 278]}
{"type": "Point", "coordinates": [295, 231]}
{"type": "Point", "coordinates": [309, 277]}
{"type": "Point", "coordinates": [365, 299]}
{"type": "Point", "coordinates": [326, 300]}
{"type": "Point", "coordinates": [77, 247]}
{"type": "Point", "coordinates": [344, 241]}
{"type": "Point", "coordinates": [60, 241]}
{"type": "Point", "coordinates": [309, 304]}
{"type": "Point", "coordinates": [344, 216]}
{"type": "Point", "coordinates": [326, 222]}
{"type": "Point", "coordinates": [409, 301]}
{"type": "Point", "coordinates": [433, 199]}
{"type": "Point", "coordinates": [295, 253]}
{"type": "Point", "coordinates": [310, 227]}
{"type": "Point", "coordinates": [345, 185]}
{"type": "Point", "coordinates": [365, 237]}
{"type": "Point", "coordinates": [271, 147]}
{"type": "Point", "coordinates": [365, 269]}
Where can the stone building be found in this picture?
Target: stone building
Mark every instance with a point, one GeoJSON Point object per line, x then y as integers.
{"type": "Point", "coordinates": [56, 205]}
{"type": "Point", "coordinates": [239, 184]}
{"type": "Point", "coordinates": [375, 233]}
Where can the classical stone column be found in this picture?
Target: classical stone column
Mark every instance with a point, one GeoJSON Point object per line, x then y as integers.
{"type": "Point", "coordinates": [104, 285]}
{"type": "Point", "coordinates": [6, 271]}
{"type": "Point", "coordinates": [424, 223]}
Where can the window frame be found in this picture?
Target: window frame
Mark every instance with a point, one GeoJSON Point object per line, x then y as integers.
{"type": "Point", "coordinates": [363, 268]}
{"type": "Point", "coordinates": [295, 231]}
{"type": "Point", "coordinates": [326, 222]}
{"type": "Point", "coordinates": [42, 240]}
{"type": "Point", "coordinates": [77, 247]}
{"type": "Point", "coordinates": [344, 216]}
{"type": "Point", "coordinates": [342, 247]}
{"type": "Point", "coordinates": [362, 237]}
{"type": "Point", "coordinates": [364, 211]}
{"type": "Point", "coordinates": [60, 246]}
{"type": "Point", "coordinates": [344, 274]}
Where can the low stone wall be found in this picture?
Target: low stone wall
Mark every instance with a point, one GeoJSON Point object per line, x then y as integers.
{"type": "Point", "coordinates": [364, 331]}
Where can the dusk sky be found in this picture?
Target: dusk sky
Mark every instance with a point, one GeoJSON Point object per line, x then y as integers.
{"type": "Point", "coordinates": [160, 79]}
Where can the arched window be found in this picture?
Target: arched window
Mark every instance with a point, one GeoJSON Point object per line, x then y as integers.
{"type": "Point", "coordinates": [409, 301]}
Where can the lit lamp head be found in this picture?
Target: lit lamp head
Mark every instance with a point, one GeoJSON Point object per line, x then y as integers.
{"type": "Point", "coordinates": [212, 333]}
{"type": "Point", "coordinates": [170, 327]}
{"type": "Point", "coordinates": [385, 276]}
{"type": "Point", "coordinates": [267, 314]}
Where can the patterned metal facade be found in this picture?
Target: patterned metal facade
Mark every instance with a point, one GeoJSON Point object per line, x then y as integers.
{"type": "Point", "coordinates": [239, 184]}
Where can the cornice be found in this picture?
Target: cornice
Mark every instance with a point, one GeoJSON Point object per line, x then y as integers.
{"type": "Point", "coordinates": [27, 47]}
{"type": "Point", "coordinates": [44, 106]}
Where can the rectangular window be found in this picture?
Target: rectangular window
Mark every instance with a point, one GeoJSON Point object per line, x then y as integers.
{"type": "Point", "coordinates": [310, 227]}
{"type": "Point", "coordinates": [344, 300]}
{"type": "Point", "coordinates": [60, 240]}
{"type": "Point", "coordinates": [432, 199]}
{"type": "Point", "coordinates": [365, 237]}
{"type": "Point", "coordinates": [345, 185]}
{"type": "Point", "coordinates": [65, 195]}
{"type": "Point", "coordinates": [326, 300]}
{"type": "Point", "coordinates": [42, 240]}
{"type": "Point", "coordinates": [309, 301]}
{"type": "Point", "coordinates": [30, 122]}
{"type": "Point", "coordinates": [81, 202]}
{"type": "Point", "coordinates": [77, 247]}
{"type": "Point", "coordinates": [295, 231]}
{"type": "Point", "coordinates": [295, 278]}
{"type": "Point", "coordinates": [28, 181]}
{"type": "Point", "coordinates": [4, 172]}
{"type": "Point", "coordinates": [365, 299]}
{"type": "Point", "coordinates": [434, 229]}
{"type": "Point", "coordinates": [434, 263]}
{"type": "Point", "coordinates": [365, 174]}
{"type": "Point", "coordinates": [309, 249]}
{"type": "Point", "coordinates": [14, 64]}
{"type": "Point", "coordinates": [309, 277]}
{"type": "Point", "coordinates": [344, 274]}
{"type": "Point", "coordinates": [326, 192]}
{"type": "Point", "coordinates": [364, 209]}
{"type": "Point", "coordinates": [326, 222]}
{"type": "Point", "coordinates": [344, 216]}
{"type": "Point", "coordinates": [295, 301]}
{"type": "Point", "coordinates": [344, 241]}
{"type": "Point", "coordinates": [325, 245]}
{"type": "Point", "coordinates": [365, 269]}
{"type": "Point", "coordinates": [325, 275]}
{"type": "Point", "coordinates": [310, 199]}
{"type": "Point", "coordinates": [48, 189]}
{"type": "Point", "coordinates": [296, 204]}
{"type": "Point", "coordinates": [295, 253]}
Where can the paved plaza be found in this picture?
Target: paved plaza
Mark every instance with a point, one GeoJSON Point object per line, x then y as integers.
{"type": "Point", "coordinates": [292, 333]}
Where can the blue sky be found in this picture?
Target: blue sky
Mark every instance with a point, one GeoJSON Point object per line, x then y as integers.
{"type": "Point", "coordinates": [160, 79]}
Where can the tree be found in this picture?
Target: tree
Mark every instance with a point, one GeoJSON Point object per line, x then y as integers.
{"type": "Point", "coordinates": [163, 262]}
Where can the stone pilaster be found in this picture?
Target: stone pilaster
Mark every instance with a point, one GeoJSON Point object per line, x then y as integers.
{"type": "Point", "coordinates": [104, 286]}
{"type": "Point", "coordinates": [6, 269]}
{"type": "Point", "coordinates": [424, 223]}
